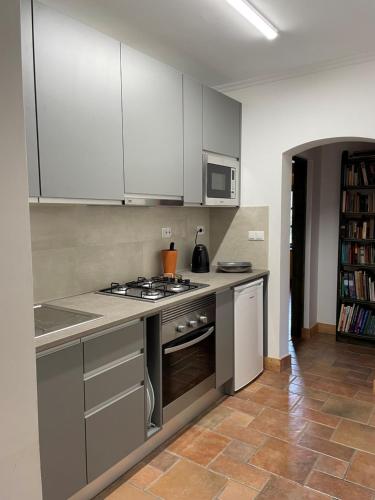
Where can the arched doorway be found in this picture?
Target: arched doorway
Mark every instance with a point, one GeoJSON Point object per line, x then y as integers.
{"type": "Point", "coordinates": [321, 233]}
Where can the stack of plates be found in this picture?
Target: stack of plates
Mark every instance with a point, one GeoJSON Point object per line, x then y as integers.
{"type": "Point", "coordinates": [234, 267]}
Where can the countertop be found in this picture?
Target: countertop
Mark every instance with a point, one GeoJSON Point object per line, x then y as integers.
{"type": "Point", "coordinates": [117, 310]}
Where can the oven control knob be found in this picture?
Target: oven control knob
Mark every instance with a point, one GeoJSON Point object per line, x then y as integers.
{"type": "Point", "coordinates": [192, 323]}
{"type": "Point", "coordinates": [203, 319]}
{"type": "Point", "coordinates": [180, 328]}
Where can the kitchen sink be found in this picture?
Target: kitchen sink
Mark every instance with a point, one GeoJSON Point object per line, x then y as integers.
{"type": "Point", "coordinates": [48, 318]}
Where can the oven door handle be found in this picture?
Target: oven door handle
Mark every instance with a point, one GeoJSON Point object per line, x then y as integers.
{"type": "Point", "coordinates": [180, 347]}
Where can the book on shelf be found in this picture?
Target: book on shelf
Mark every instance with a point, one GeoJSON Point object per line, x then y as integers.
{"type": "Point", "coordinates": [358, 229]}
{"type": "Point", "coordinates": [353, 201]}
{"type": "Point", "coordinates": [356, 319]}
{"type": "Point", "coordinates": [362, 174]}
{"type": "Point", "coordinates": [357, 285]}
{"type": "Point", "coordinates": [357, 253]}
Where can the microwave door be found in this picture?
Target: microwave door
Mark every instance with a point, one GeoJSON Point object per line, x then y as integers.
{"type": "Point", "coordinates": [219, 180]}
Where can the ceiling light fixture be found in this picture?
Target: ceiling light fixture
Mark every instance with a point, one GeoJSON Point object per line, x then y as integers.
{"type": "Point", "coordinates": [255, 18]}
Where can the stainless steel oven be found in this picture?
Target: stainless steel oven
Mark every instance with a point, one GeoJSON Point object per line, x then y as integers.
{"type": "Point", "coordinates": [188, 354]}
{"type": "Point", "coordinates": [220, 180]}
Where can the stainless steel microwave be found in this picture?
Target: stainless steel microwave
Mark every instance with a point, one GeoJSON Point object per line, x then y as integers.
{"type": "Point", "coordinates": [221, 183]}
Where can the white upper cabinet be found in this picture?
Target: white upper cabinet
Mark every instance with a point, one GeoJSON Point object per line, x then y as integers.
{"type": "Point", "coordinates": [153, 137]}
{"type": "Point", "coordinates": [78, 95]}
{"type": "Point", "coordinates": [221, 123]}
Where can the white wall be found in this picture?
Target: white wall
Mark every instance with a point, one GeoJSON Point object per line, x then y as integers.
{"type": "Point", "coordinates": [19, 449]}
{"type": "Point", "coordinates": [289, 116]}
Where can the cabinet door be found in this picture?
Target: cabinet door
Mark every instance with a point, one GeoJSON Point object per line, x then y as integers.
{"type": "Point", "coordinates": [61, 422]}
{"type": "Point", "coordinates": [153, 149]}
{"type": "Point", "coordinates": [192, 94]}
{"type": "Point", "coordinates": [224, 337]}
{"type": "Point", "coordinates": [114, 430]}
{"type": "Point", "coordinates": [29, 97]}
{"type": "Point", "coordinates": [78, 88]}
{"type": "Point", "coordinates": [221, 123]}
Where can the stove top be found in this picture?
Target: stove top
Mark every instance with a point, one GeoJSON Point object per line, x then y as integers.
{"type": "Point", "coordinates": [152, 289]}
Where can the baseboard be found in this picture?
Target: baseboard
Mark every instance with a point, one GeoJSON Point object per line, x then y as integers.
{"type": "Point", "coordinates": [276, 364]}
{"type": "Point", "coordinates": [307, 333]}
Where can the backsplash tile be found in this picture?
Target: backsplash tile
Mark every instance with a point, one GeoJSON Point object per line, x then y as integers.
{"type": "Point", "coordinates": [77, 248]}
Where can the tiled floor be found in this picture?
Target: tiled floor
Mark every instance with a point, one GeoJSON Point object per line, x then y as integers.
{"type": "Point", "coordinates": [306, 434]}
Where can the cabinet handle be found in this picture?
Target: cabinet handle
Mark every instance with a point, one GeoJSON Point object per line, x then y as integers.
{"type": "Point", "coordinates": [57, 348]}
{"type": "Point", "coordinates": [110, 330]}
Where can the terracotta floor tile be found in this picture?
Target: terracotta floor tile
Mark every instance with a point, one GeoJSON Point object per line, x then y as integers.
{"type": "Point", "coordinates": [237, 491]}
{"type": "Point", "coordinates": [246, 406]}
{"type": "Point", "coordinates": [275, 398]}
{"type": "Point", "coordinates": [238, 418]}
{"type": "Point", "coordinates": [372, 419]}
{"type": "Point", "coordinates": [282, 489]}
{"type": "Point", "coordinates": [304, 379]}
{"type": "Point", "coordinates": [356, 435]}
{"type": "Point", "coordinates": [278, 424]}
{"type": "Point", "coordinates": [188, 481]}
{"type": "Point", "coordinates": [334, 388]}
{"type": "Point", "coordinates": [284, 459]}
{"type": "Point", "coordinates": [327, 447]}
{"type": "Point", "coordinates": [363, 396]}
{"type": "Point", "coordinates": [349, 366]}
{"type": "Point", "coordinates": [278, 380]}
{"type": "Point", "coordinates": [362, 470]}
{"type": "Point", "coordinates": [332, 466]}
{"type": "Point", "coordinates": [184, 439]}
{"type": "Point", "coordinates": [316, 416]}
{"type": "Point", "coordinates": [145, 476]}
{"type": "Point", "coordinates": [348, 408]}
{"type": "Point", "coordinates": [239, 451]}
{"type": "Point", "coordinates": [244, 473]}
{"type": "Point", "coordinates": [163, 461]}
{"type": "Point", "coordinates": [214, 417]}
{"type": "Point", "coordinates": [319, 430]}
{"type": "Point", "coordinates": [308, 392]}
{"type": "Point", "coordinates": [233, 430]}
{"type": "Point", "coordinates": [204, 447]}
{"type": "Point", "coordinates": [127, 492]}
{"type": "Point", "coordinates": [308, 402]}
{"type": "Point", "coordinates": [337, 488]}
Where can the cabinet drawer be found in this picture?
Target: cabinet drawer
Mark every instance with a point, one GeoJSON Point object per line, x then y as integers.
{"type": "Point", "coordinates": [114, 431]}
{"type": "Point", "coordinates": [107, 384]}
{"type": "Point", "coordinates": [112, 344]}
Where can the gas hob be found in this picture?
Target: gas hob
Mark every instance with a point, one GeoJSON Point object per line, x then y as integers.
{"type": "Point", "coordinates": [152, 289]}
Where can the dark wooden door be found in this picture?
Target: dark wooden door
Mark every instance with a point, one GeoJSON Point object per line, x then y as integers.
{"type": "Point", "coordinates": [297, 261]}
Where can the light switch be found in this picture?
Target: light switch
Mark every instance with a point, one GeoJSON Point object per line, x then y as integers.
{"type": "Point", "coordinates": [256, 235]}
{"type": "Point", "coordinates": [252, 235]}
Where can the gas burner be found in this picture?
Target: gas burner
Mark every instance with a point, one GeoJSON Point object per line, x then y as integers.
{"type": "Point", "coordinates": [153, 294]}
{"type": "Point", "coordinates": [177, 288]}
{"type": "Point", "coordinates": [146, 284]}
{"type": "Point", "coordinates": [156, 288]}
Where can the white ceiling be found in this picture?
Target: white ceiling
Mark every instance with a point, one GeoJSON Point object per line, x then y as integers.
{"type": "Point", "coordinates": [209, 40]}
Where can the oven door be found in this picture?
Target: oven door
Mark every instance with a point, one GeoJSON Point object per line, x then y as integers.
{"type": "Point", "coordinates": [187, 361]}
{"type": "Point", "coordinates": [220, 180]}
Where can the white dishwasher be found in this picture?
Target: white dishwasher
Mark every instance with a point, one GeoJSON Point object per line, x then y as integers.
{"type": "Point", "coordinates": [248, 333]}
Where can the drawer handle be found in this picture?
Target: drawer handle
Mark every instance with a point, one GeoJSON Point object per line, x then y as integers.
{"type": "Point", "coordinates": [112, 401]}
{"type": "Point", "coordinates": [110, 366]}
{"type": "Point", "coordinates": [110, 330]}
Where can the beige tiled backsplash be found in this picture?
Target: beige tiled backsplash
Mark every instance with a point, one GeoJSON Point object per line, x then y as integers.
{"type": "Point", "coordinates": [77, 248]}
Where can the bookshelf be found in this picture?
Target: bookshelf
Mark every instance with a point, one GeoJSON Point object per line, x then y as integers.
{"type": "Point", "coordinates": [356, 250]}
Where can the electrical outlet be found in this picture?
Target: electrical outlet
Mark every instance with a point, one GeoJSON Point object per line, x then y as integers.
{"type": "Point", "coordinates": [259, 235]}
{"type": "Point", "coordinates": [201, 230]}
{"type": "Point", "coordinates": [166, 232]}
